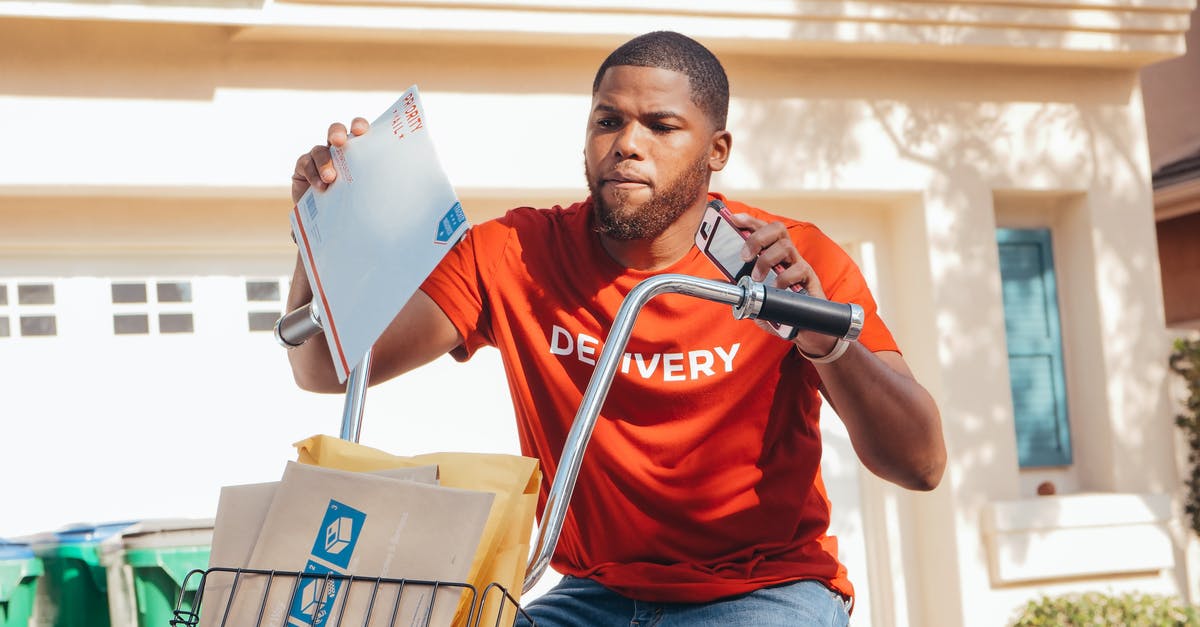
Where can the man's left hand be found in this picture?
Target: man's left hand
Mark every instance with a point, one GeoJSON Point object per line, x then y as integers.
{"type": "Point", "coordinates": [769, 242]}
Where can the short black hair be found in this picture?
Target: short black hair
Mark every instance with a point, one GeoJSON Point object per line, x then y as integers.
{"type": "Point", "coordinates": [672, 51]}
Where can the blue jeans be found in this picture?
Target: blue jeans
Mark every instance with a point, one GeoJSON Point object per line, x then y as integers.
{"type": "Point", "coordinates": [576, 602]}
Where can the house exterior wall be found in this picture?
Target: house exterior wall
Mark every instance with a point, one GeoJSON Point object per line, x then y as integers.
{"type": "Point", "coordinates": [149, 148]}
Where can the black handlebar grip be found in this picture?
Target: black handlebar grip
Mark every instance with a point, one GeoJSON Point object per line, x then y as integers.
{"type": "Point", "coordinates": [802, 311]}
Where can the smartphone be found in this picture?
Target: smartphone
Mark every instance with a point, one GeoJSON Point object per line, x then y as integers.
{"type": "Point", "coordinates": [722, 242]}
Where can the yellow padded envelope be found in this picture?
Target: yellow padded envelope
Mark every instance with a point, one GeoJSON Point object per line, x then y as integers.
{"type": "Point", "coordinates": [504, 545]}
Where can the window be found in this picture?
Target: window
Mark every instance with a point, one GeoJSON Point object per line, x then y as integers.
{"type": "Point", "coordinates": [149, 307]}
{"type": "Point", "coordinates": [128, 292]}
{"type": "Point", "coordinates": [35, 294]}
{"type": "Point", "coordinates": [31, 313]}
{"type": "Point", "coordinates": [1035, 356]}
{"type": "Point", "coordinates": [264, 300]}
{"type": "Point", "coordinates": [38, 325]}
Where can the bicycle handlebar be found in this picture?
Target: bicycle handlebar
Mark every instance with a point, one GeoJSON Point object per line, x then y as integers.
{"type": "Point", "coordinates": [800, 310]}
{"type": "Point", "coordinates": [749, 300]}
{"type": "Point", "coordinates": [298, 326]}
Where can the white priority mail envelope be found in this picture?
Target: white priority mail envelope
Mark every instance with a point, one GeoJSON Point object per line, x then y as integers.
{"type": "Point", "coordinates": [372, 237]}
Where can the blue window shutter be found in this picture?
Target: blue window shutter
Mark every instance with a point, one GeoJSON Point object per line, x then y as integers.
{"type": "Point", "coordinates": [1035, 359]}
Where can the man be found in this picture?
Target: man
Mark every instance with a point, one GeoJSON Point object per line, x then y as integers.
{"type": "Point", "coordinates": [700, 499]}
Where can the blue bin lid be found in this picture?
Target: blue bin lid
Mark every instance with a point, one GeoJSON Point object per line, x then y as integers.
{"type": "Point", "coordinates": [86, 533]}
{"type": "Point", "coordinates": [10, 550]}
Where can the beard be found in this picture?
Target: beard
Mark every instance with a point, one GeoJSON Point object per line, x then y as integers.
{"type": "Point", "coordinates": [625, 221]}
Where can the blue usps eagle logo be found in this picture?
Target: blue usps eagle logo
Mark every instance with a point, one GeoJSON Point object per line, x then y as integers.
{"type": "Point", "coordinates": [449, 224]}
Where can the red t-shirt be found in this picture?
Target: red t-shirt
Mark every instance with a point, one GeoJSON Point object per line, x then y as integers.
{"type": "Point", "coordinates": [702, 478]}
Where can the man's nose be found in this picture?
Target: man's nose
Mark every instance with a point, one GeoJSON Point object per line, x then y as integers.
{"type": "Point", "coordinates": [627, 142]}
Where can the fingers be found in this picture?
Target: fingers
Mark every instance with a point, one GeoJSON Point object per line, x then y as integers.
{"type": "Point", "coordinates": [338, 135]}
{"type": "Point", "coordinates": [320, 162]}
{"type": "Point", "coordinates": [315, 168]}
{"type": "Point", "coordinates": [770, 246]}
{"type": "Point", "coordinates": [300, 184]}
{"type": "Point", "coordinates": [761, 234]}
{"type": "Point", "coordinates": [802, 274]}
{"type": "Point", "coordinates": [746, 221]}
{"type": "Point", "coordinates": [790, 268]}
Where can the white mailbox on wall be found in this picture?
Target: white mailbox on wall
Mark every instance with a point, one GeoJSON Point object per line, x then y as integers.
{"type": "Point", "coordinates": [1078, 535]}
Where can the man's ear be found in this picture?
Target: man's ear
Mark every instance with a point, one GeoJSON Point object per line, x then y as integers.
{"type": "Point", "coordinates": [718, 154]}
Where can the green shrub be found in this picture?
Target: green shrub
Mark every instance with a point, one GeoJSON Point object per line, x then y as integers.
{"type": "Point", "coordinates": [1185, 361]}
{"type": "Point", "coordinates": [1097, 609]}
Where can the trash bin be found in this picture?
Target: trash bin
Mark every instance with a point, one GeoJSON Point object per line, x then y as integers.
{"type": "Point", "coordinates": [148, 566]}
{"type": "Point", "coordinates": [74, 590]}
{"type": "Point", "coordinates": [20, 570]}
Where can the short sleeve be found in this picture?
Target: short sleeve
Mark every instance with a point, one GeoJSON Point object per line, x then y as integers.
{"type": "Point", "coordinates": [458, 285]}
{"type": "Point", "coordinates": [843, 282]}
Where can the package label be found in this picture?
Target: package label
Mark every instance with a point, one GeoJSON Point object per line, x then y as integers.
{"type": "Point", "coordinates": [336, 539]}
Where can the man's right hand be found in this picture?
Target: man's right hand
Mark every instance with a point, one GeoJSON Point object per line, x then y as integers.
{"type": "Point", "coordinates": [315, 167]}
{"type": "Point", "coordinates": [420, 333]}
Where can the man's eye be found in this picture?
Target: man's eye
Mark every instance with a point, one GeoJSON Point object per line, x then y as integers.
{"type": "Point", "coordinates": [608, 123]}
{"type": "Point", "coordinates": [662, 128]}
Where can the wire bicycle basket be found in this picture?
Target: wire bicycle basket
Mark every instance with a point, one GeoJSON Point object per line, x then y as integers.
{"type": "Point", "coordinates": [244, 597]}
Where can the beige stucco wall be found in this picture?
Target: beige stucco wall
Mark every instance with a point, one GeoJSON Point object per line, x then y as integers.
{"type": "Point", "coordinates": [142, 139]}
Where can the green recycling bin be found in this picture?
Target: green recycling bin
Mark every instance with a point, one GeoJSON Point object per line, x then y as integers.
{"type": "Point", "coordinates": [74, 590]}
{"type": "Point", "coordinates": [158, 555]}
{"type": "Point", "coordinates": [20, 570]}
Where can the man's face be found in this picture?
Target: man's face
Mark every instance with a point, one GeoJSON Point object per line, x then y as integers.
{"type": "Point", "coordinates": [648, 154]}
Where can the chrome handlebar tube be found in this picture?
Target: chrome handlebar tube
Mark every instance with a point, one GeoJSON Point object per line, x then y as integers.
{"type": "Point", "coordinates": [304, 323]}
{"type": "Point", "coordinates": [748, 299]}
